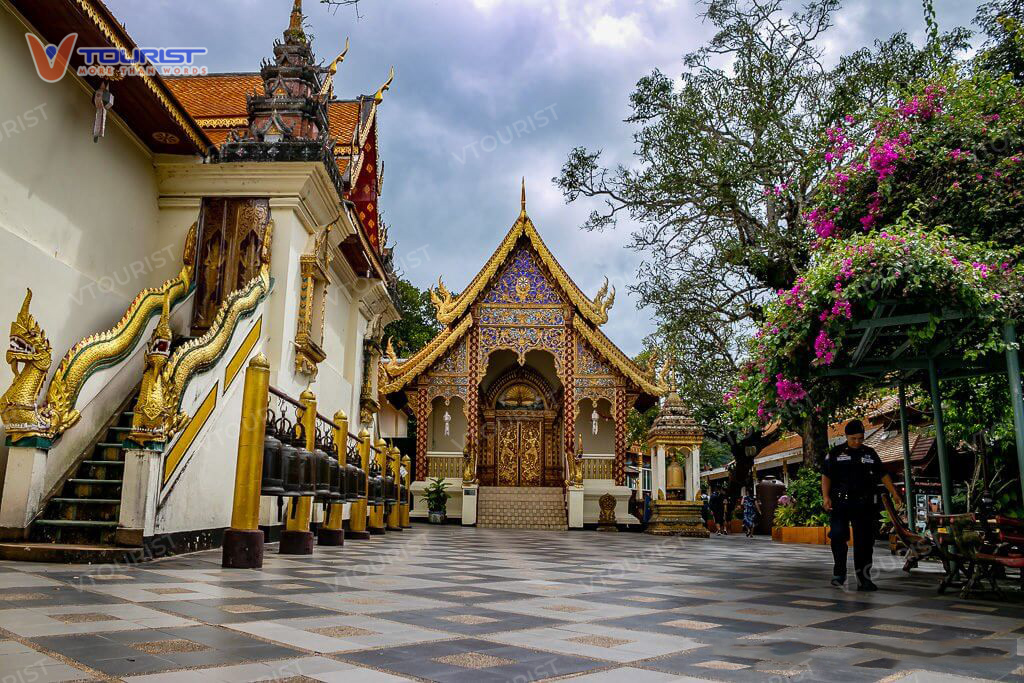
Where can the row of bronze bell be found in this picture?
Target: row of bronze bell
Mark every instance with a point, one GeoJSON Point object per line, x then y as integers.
{"type": "Point", "coordinates": [290, 470]}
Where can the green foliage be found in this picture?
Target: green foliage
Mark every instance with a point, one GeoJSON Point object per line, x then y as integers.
{"type": "Point", "coordinates": [725, 165]}
{"type": "Point", "coordinates": [1002, 21]}
{"type": "Point", "coordinates": [806, 327]}
{"type": "Point", "coordinates": [417, 325]}
{"type": "Point", "coordinates": [714, 453]}
{"type": "Point", "coordinates": [638, 424]}
{"type": "Point", "coordinates": [436, 496]}
{"type": "Point", "coordinates": [950, 152]}
{"type": "Point", "coordinates": [805, 504]}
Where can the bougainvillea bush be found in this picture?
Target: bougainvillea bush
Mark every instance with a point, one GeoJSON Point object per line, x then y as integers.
{"type": "Point", "coordinates": [810, 327]}
{"type": "Point", "coordinates": [953, 149]}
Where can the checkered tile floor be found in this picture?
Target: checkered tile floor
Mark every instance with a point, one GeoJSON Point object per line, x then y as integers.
{"type": "Point", "coordinates": [452, 604]}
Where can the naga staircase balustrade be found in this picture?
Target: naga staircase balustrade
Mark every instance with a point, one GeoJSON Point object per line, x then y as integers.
{"type": "Point", "coordinates": [30, 424]}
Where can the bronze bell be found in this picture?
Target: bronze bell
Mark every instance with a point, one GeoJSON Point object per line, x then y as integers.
{"type": "Point", "coordinates": [291, 467]}
{"type": "Point", "coordinates": [322, 478]}
{"type": "Point", "coordinates": [674, 477]}
{"type": "Point", "coordinates": [337, 473]}
{"type": "Point", "coordinates": [390, 486]}
{"type": "Point", "coordinates": [351, 477]}
{"type": "Point", "coordinates": [376, 485]}
{"type": "Point", "coordinates": [307, 462]}
{"type": "Point", "coordinates": [272, 481]}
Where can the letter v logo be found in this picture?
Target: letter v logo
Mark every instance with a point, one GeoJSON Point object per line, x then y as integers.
{"type": "Point", "coordinates": [51, 61]}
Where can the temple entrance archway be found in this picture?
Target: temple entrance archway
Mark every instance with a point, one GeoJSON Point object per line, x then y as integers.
{"type": "Point", "coordinates": [521, 407]}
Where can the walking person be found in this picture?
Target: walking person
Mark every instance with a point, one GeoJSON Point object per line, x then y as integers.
{"type": "Point", "coordinates": [751, 511]}
{"type": "Point", "coordinates": [718, 511]}
{"type": "Point", "coordinates": [849, 491]}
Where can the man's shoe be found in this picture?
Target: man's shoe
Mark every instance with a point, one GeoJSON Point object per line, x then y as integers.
{"type": "Point", "coordinates": [838, 581]}
{"type": "Point", "coordinates": [867, 586]}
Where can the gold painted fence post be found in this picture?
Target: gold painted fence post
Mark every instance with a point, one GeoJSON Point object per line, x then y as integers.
{"type": "Point", "coordinates": [407, 499]}
{"type": "Point", "coordinates": [395, 514]}
{"type": "Point", "coordinates": [243, 542]}
{"type": "Point", "coordinates": [297, 539]}
{"type": "Point", "coordinates": [357, 512]}
{"type": "Point", "coordinates": [332, 532]}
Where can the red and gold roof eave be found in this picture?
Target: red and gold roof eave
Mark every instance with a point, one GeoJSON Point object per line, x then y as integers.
{"type": "Point", "coordinates": [144, 102]}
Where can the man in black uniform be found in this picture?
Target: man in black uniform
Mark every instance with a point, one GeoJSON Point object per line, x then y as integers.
{"type": "Point", "coordinates": [849, 489]}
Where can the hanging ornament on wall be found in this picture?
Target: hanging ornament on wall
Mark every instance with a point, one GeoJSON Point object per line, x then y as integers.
{"type": "Point", "coordinates": [594, 417]}
{"type": "Point", "coordinates": [447, 424]}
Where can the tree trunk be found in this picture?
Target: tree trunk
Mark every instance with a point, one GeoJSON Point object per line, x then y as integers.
{"type": "Point", "coordinates": [814, 433]}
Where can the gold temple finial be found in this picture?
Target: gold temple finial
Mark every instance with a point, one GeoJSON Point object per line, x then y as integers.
{"type": "Point", "coordinates": [379, 96]}
{"type": "Point", "coordinates": [522, 196]}
{"type": "Point", "coordinates": [328, 88]}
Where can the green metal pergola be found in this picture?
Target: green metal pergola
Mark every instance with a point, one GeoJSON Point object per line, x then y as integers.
{"type": "Point", "coordinates": [884, 353]}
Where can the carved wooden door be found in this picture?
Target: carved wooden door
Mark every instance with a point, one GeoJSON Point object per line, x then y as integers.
{"type": "Point", "coordinates": [231, 231]}
{"type": "Point", "coordinates": [520, 451]}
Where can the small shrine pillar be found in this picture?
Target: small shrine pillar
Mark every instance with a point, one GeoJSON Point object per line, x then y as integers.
{"type": "Point", "coordinates": [674, 484]}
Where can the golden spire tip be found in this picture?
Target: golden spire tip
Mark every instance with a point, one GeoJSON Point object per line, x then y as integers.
{"type": "Point", "coordinates": [522, 197]}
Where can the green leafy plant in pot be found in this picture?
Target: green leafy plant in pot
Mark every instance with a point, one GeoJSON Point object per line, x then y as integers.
{"type": "Point", "coordinates": [437, 499]}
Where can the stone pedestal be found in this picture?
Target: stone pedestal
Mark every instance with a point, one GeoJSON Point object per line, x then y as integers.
{"type": "Point", "coordinates": [469, 498]}
{"type": "Point", "coordinates": [677, 518]}
{"type": "Point", "coordinates": [140, 490]}
{"type": "Point", "coordinates": [575, 495]}
{"type": "Point", "coordinates": [23, 488]}
{"type": "Point", "coordinates": [243, 549]}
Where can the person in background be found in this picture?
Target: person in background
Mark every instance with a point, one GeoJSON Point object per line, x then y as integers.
{"type": "Point", "coordinates": [751, 510]}
{"type": "Point", "coordinates": [849, 491]}
{"type": "Point", "coordinates": [718, 511]}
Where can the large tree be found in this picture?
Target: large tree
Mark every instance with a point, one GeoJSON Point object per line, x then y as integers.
{"type": "Point", "coordinates": [726, 161]}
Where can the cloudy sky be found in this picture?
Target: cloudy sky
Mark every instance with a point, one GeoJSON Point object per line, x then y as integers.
{"type": "Point", "coordinates": [488, 91]}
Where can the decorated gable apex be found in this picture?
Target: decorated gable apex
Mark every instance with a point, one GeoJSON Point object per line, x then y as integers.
{"type": "Point", "coordinates": [522, 285]}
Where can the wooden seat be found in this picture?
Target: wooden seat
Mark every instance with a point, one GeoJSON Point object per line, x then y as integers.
{"type": "Point", "coordinates": [918, 546]}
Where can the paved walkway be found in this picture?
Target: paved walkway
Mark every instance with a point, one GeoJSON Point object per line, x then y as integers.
{"type": "Point", "coordinates": [453, 604]}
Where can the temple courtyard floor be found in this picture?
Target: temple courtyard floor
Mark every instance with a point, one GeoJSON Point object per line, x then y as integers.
{"type": "Point", "coordinates": [463, 604]}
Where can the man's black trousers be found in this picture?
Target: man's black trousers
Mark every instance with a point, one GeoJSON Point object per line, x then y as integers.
{"type": "Point", "coordinates": [863, 517]}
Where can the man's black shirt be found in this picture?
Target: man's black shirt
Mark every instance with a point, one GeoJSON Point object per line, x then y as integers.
{"type": "Point", "coordinates": [855, 473]}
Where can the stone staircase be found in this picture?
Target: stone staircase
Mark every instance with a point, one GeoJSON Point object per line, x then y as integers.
{"type": "Point", "coordinates": [512, 507]}
{"type": "Point", "coordinates": [85, 512]}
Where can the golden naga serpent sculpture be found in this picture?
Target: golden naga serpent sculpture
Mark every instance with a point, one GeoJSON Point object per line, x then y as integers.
{"type": "Point", "coordinates": [157, 414]}
{"type": "Point", "coordinates": [58, 411]}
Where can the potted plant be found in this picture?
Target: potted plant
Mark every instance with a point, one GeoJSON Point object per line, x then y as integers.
{"type": "Point", "coordinates": [437, 500]}
{"type": "Point", "coordinates": [800, 516]}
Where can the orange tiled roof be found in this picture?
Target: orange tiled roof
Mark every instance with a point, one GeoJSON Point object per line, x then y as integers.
{"type": "Point", "coordinates": [216, 95]}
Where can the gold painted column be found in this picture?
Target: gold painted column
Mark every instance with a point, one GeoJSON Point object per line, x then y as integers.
{"type": "Point", "coordinates": [376, 520]}
{"type": "Point", "coordinates": [243, 541]}
{"type": "Point", "coordinates": [395, 514]}
{"type": "Point", "coordinates": [357, 511]}
{"type": "Point", "coordinates": [332, 533]}
{"type": "Point", "coordinates": [407, 499]}
{"type": "Point", "coordinates": [297, 539]}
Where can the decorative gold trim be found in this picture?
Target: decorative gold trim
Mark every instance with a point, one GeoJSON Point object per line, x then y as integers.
{"type": "Point", "coordinates": [450, 308]}
{"type": "Point", "coordinates": [238, 360]}
{"type": "Point", "coordinates": [191, 431]}
{"type": "Point", "coordinates": [622, 363]}
{"type": "Point", "coordinates": [430, 353]}
{"type": "Point", "coordinates": [224, 122]}
{"type": "Point", "coordinates": [182, 118]}
{"type": "Point", "coordinates": [313, 267]}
